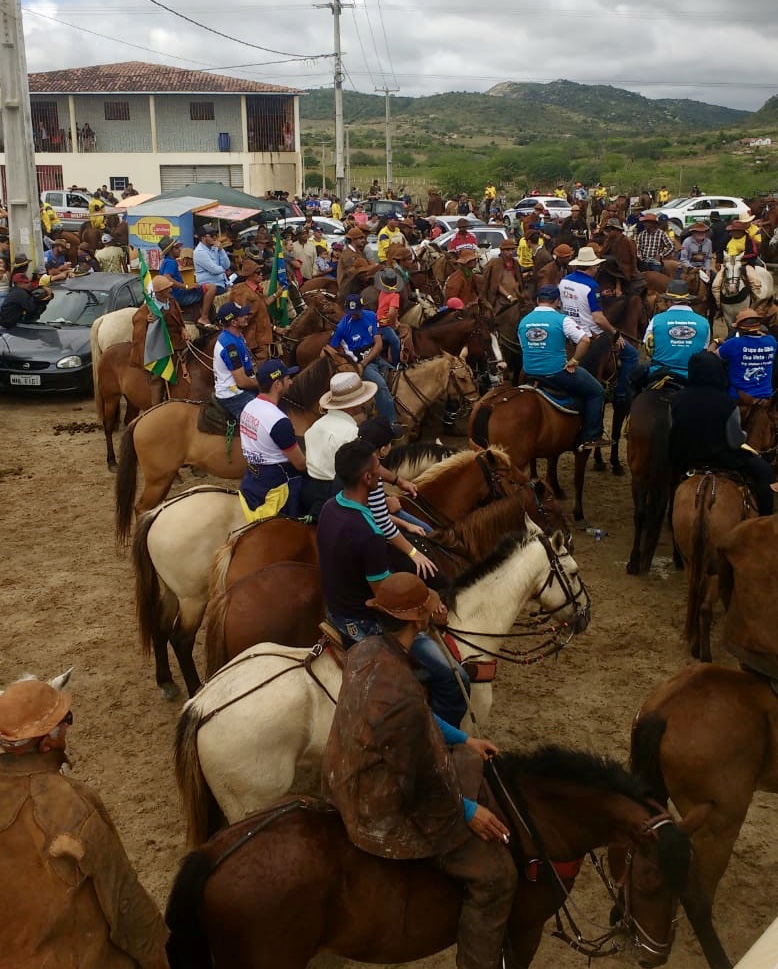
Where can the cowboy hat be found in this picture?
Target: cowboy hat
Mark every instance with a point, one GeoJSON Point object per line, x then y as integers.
{"type": "Point", "coordinates": [248, 267]}
{"type": "Point", "coordinates": [21, 261]}
{"type": "Point", "coordinates": [698, 227]}
{"type": "Point", "coordinates": [355, 233]}
{"type": "Point", "coordinates": [677, 290]}
{"type": "Point", "coordinates": [388, 281]}
{"type": "Point", "coordinates": [166, 243]}
{"type": "Point", "coordinates": [748, 320]}
{"type": "Point", "coordinates": [31, 709]}
{"type": "Point", "coordinates": [161, 283]}
{"type": "Point", "coordinates": [614, 224]}
{"type": "Point", "coordinates": [466, 254]}
{"type": "Point", "coordinates": [405, 596]}
{"type": "Point", "coordinates": [586, 257]}
{"type": "Point", "coordinates": [563, 251]}
{"type": "Point", "coordinates": [398, 251]}
{"type": "Point", "coordinates": [649, 217]}
{"type": "Point", "coordinates": [736, 226]}
{"type": "Point", "coordinates": [508, 244]}
{"type": "Point", "coordinates": [347, 390]}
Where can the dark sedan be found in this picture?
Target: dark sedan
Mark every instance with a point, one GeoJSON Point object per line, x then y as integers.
{"type": "Point", "coordinates": [53, 354]}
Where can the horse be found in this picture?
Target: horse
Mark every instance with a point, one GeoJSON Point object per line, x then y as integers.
{"type": "Point", "coordinates": [707, 738]}
{"type": "Point", "coordinates": [108, 329]}
{"type": "Point", "coordinates": [117, 377]}
{"type": "Point", "coordinates": [738, 287]}
{"type": "Point", "coordinates": [230, 761]}
{"type": "Point", "coordinates": [235, 622]}
{"type": "Point", "coordinates": [419, 387]}
{"type": "Point", "coordinates": [320, 315]}
{"type": "Point", "coordinates": [175, 543]}
{"type": "Point", "coordinates": [232, 904]}
{"type": "Point", "coordinates": [759, 419]}
{"type": "Point", "coordinates": [706, 506]}
{"type": "Point", "coordinates": [165, 438]}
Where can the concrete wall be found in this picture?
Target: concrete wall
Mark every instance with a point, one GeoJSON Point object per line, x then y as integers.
{"type": "Point", "coordinates": [116, 136]}
{"type": "Point", "coordinates": [177, 132]}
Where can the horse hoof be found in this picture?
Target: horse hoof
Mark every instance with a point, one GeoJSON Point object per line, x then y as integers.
{"type": "Point", "coordinates": [618, 470]}
{"type": "Point", "coordinates": [632, 568]}
{"type": "Point", "coordinates": [113, 467]}
{"type": "Point", "coordinates": [169, 691]}
{"type": "Point", "coordinates": [599, 465]}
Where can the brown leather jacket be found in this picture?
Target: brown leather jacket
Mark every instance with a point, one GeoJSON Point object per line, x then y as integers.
{"type": "Point", "coordinates": [76, 902]}
{"type": "Point", "coordinates": [259, 332]}
{"type": "Point", "coordinates": [140, 323]}
{"type": "Point", "coordinates": [623, 251]}
{"type": "Point", "coordinates": [386, 767]}
{"type": "Point", "coordinates": [492, 277]}
{"type": "Point", "coordinates": [467, 288]}
{"type": "Point", "coordinates": [350, 265]}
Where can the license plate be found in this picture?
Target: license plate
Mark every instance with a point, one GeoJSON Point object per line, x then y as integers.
{"type": "Point", "coordinates": [26, 379]}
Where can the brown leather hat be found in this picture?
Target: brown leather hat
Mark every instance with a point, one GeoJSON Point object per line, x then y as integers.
{"type": "Point", "coordinates": [563, 251]}
{"type": "Point", "coordinates": [355, 233]}
{"type": "Point", "coordinates": [698, 227]}
{"type": "Point", "coordinates": [649, 217]}
{"type": "Point", "coordinates": [405, 596]}
{"type": "Point", "coordinates": [248, 267]}
{"type": "Point", "coordinates": [30, 709]}
{"type": "Point", "coordinates": [508, 244]}
{"type": "Point", "coordinates": [398, 251]}
{"type": "Point", "coordinates": [748, 320]}
{"type": "Point", "coordinates": [736, 226]}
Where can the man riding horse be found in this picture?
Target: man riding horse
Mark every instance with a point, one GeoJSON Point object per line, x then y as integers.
{"type": "Point", "coordinates": [162, 296]}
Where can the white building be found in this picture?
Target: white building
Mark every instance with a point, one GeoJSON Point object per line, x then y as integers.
{"type": "Point", "coordinates": [161, 128]}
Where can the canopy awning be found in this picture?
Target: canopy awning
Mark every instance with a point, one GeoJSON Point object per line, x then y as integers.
{"type": "Point", "coordinates": [227, 213]}
{"type": "Point", "coordinates": [134, 200]}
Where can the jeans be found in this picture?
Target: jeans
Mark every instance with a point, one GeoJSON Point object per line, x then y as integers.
{"type": "Point", "coordinates": [383, 399]}
{"type": "Point", "coordinates": [412, 520]}
{"type": "Point", "coordinates": [446, 698]}
{"type": "Point", "coordinates": [236, 404]}
{"type": "Point", "coordinates": [391, 341]}
{"type": "Point", "coordinates": [628, 361]}
{"type": "Point", "coordinates": [581, 384]}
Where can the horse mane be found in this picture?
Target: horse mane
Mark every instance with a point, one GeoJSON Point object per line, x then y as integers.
{"type": "Point", "coordinates": [484, 527]}
{"type": "Point", "coordinates": [518, 538]}
{"type": "Point", "coordinates": [415, 453]}
{"type": "Point", "coordinates": [457, 461]}
{"type": "Point", "coordinates": [204, 339]}
{"type": "Point", "coordinates": [308, 386]}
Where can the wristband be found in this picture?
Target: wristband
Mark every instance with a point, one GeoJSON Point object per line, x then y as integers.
{"type": "Point", "coordinates": [412, 552]}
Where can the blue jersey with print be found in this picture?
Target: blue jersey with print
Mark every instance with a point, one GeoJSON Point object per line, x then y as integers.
{"type": "Point", "coordinates": [542, 339]}
{"type": "Point", "coordinates": [749, 361]}
{"type": "Point", "coordinates": [356, 333]}
{"type": "Point", "coordinates": [678, 333]}
{"type": "Point", "coordinates": [580, 296]}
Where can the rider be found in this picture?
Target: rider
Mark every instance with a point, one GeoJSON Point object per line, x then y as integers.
{"type": "Point", "coordinates": [542, 334]}
{"type": "Point", "coordinates": [463, 283]}
{"type": "Point", "coordinates": [357, 336]}
{"type": "Point", "coordinates": [274, 461]}
{"type": "Point", "coordinates": [697, 249]}
{"type": "Point", "coordinates": [185, 295]}
{"type": "Point", "coordinates": [354, 560]}
{"type": "Point", "coordinates": [673, 336]}
{"type": "Point", "coordinates": [502, 282]}
{"type": "Point", "coordinates": [233, 367]}
{"type": "Point", "coordinates": [653, 244]}
{"type": "Point", "coordinates": [20, 305]}
{"type": "Point", "coordinates": [705, 430]}
{"type": "Point", "coordinates": [161, 295]}
{"type": "Point", "coordinates": [390, 285]}
{"type": "Point", "coordinates": [390, 234]}
{"type": "Point", "coordinates": [388, 771]}
{"type": "Point", "coordinates": [749, 356]}
{"type": "Point", "coordinates": [76, 899]}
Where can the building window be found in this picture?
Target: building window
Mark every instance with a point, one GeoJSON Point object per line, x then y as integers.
{"type": "Point", "coordinates": [201, 111]}
{"type": "Point", "coordinates": [118, 182]}
{"type": "Point", "coordinates": [117, 110]}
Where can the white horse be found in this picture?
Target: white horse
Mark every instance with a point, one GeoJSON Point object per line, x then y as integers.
{"type": "Point", "coordinates": [733, 293]}
{"type": "Point", "coordinates": [240, 740]}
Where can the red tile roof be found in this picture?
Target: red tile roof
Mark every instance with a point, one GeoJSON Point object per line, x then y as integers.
{"type": "Point", "coordinates": [135, 77]}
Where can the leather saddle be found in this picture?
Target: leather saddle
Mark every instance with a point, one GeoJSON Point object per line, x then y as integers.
{"type": "Point", "coordinates": [215, 419]}
{"type": "Point", "coordinates": [558, 400]}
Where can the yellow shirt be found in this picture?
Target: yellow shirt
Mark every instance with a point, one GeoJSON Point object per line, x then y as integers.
{"type": "Point", "coordinates": [736, 247]}
{"type": "Point", "coordinates": [98, 221]}
{"type": "Point", "coordinates": [490, 192]}
{"type": "Point", "coordinates": [527, 254]}
{"type": "Point", "coordinates": [560, 193]}
{"type": "Point", "coordinates": [386, 237]}
{"type": "Point", "coordinates": [663, 197]}
{"type": "Point", "coordinates": [600, 193]}
{"type": "Point", "coordinates": [49, 219]}
{"type": "Point", "coordinates": [337, 211]}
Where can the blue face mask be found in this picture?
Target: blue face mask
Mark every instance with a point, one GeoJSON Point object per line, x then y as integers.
{"type": "Point", "coordinates": [162, 306]}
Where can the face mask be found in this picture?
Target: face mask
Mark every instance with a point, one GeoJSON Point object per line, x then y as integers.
{"type": "Point", "coordinates": [162, 306]}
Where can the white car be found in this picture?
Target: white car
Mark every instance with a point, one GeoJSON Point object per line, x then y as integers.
{"type": "Point", "coordinates": [333, 229]}
{"type": "Point", "coordinates": [558, 209]}
{"type": "Point", "coordinates": [449, 222]}
{"type": "Point", "coordinates": [682, 212]}
{"type": "Point", "coordinates": [489, 238]}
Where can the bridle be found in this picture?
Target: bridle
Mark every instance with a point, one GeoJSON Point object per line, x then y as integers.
{"type": "Point", "coordinates": [769, 454]}
{"type": "Point", "coordinates": [466, 401]}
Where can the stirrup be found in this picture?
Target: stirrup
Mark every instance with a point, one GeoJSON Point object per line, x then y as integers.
{"type": "Point", "coordinates": [332, 633]}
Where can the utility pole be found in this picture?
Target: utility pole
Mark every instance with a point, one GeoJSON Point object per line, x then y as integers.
{"type": "Point", "coordinates": [336, 6]}
{"type": "Point", "coordinates": [348, 162]}
{"type": "Point", "coordinates": [389, 173]}
{"type": "Point", "coordinates": [323, 168]}
{"type": "Point", "coordinates": [23, 206]}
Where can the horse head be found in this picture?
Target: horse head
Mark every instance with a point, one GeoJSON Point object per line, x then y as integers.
{"type": "Point", "coordinates": [562, 596]}
{"type": "Point", "coordinates": [733, 282]}
{"type": "Point", "coordinates": [461, 383]}
{"type": "Point", "coordinates": [759, 419]}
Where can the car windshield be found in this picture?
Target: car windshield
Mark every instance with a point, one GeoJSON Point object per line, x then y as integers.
{"type": "Point", "coordinates": [70, 307]}
{"type": "Point", "coordinates": [557, 204]}
{"type": "Point", "coordinates": [675, 203]}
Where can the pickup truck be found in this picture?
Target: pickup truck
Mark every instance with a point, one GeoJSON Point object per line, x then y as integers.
{"type": "Point", "coordinates": [72, 208]}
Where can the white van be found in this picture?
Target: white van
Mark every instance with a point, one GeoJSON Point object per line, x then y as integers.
{"type": "Point", "coordinates": [71, 207]}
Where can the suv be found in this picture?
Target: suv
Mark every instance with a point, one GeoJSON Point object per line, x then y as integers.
{"type": "Point", "coordinates": [558, 209]}
{"type": "Point", "coordinates": [72, 207]}
{"type": "Point", "coordinates": [682, 212]}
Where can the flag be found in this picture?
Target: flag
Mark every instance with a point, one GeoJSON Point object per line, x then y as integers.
{"type": "Point", "coordinates": [158, 352]}
{"type": "Point", "coordinates": [279, 310]}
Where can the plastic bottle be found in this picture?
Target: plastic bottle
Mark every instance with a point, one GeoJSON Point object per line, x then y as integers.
{"type": "Point", "coordinates": [597, 533]}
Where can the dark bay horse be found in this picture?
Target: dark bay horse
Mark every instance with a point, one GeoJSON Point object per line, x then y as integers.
{"type": "Point", "coordinates": [708, 739]}
{"type": "Point", "coordinates": [235, 901]}
{"type": "Point", "coordinates": [117, 377]}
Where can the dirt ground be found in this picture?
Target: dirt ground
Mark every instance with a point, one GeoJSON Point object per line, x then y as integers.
{"type": "Point", "coordinates": [66, 598]}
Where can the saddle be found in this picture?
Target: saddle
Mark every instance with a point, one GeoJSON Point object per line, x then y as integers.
{"type": "Point", "coordinates": [215, 419]}
{"type": "Point", "coordinates": [560, 401]}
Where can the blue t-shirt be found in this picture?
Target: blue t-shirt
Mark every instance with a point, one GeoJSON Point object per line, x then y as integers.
{"type": "Point", "coordinates": [356, 333]}
{"type": "Point", "coordinates": [169, 267]}
{"type": "Point", "coordinates": [542, 338]}
{"type": "Point", "coordinates": [678, 333]}
{"type": "Point", "coordinates": [749, 361]}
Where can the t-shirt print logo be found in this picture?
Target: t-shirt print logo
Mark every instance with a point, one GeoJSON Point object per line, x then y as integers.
{"type": "Point", "coordinates": [682, 331]}
{"type": "Point", "coordinates": [537, 334]}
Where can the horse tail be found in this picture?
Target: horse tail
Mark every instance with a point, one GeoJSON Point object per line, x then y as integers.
{"type": "Point", "coordinates": [126, 485]}
{"type": "Point", "coordinates": [216, 634]}
{"type": "Point", "coordinates": [147, 589]}
{"type": "Point", "coordinates": [94, 347]}
{"type": "Point", "coordinates": [201, 811]}
{"type": "Point", "coordinates": [645, 760]}
{"type": "Point", "coordinates": [698, 566]}
{"type": "Point", "coordinates": [479, 432]}
{"type": "Point", "coordinates": [220, 565]}
{"type": "Point", "coordinates": [187, 947]}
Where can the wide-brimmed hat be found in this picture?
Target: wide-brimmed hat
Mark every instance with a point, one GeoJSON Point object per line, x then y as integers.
{"type": "Point", "coordinates": [586, 257]}
{"type": "Point", "coordinates": [649, 217]}
{"type": "Point", "coordinates": [398, 251]}
{"type": "Point", "coordinates": [463, 224]}
{"type": "Point", "coordinates": [248, 267]}
{"type": "Point", "coordinates": [698, 227]}
{"type": "Point", "coordinates": [748, 320]}
{"type": "Point", "coordinates": [677, 290]}
{"type": "Point", "coordinates": [748, 219]}
{"type": "Point", "coordinates": [508, 244]}
{"type": "Point", "coordinates": [21, 261]}
{"type": "Point", "coordinates": [166, 243]}
{"type": "Point", "coordinates": [737, 225]}
{"type": "Point", "coordinates": [614, 224]}
{"type": "Point", "coordinates": [355, 233]}
{"type": "Point", "coordinates": [31, 709]}
{"type": "Point", "coordinates": [347, 390]}
{"type": "Point", "coordinates": [388, 281]}
{"type": "Point", "coordinates": [161, 283]}
{"type": "Point", "coordinates": [466, 254]}
{"type": "Point", "coordinates": [404, 596]}
{"type": "Point", "coordinates": [563, 251]}
{"type": "Point", "coordinates": [84, 247]}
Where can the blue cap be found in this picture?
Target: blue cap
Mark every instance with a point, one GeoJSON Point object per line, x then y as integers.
{"type": "Point", "coordinates": [273, 369]}
{"type": "Point", "coordinates": [230, 311]}
{"type": "Point", "coordinates": [548, 294]}
{"type": "Point", "coordinates": [354, 304]}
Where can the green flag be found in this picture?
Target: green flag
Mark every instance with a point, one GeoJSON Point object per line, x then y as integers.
{"type": "Point", "coordinates": [158, 352]}
{"type": "Point", "coordinates": [279, 311]}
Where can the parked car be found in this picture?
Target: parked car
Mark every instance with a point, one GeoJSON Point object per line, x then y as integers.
{"type": "Point", "coordinates": [558, 209]}
{"type": "Point", "coordinates": [489, 238]}
{"type": "Point", "coordinates": [684, 211]}
{"type": "Point", "coordinates": [334, 231]}
{"type": "Point", "coordinates": [450, 221]}
{"type": "Point", "coordinates": [379, 207]}
{"type": "Point", "coordinates": [72, 208]}
{"type": "Point", "coordinates": [53, 354]}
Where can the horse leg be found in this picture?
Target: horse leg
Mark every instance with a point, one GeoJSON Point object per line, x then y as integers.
{"type": "Point", "coordinates": [552, 476]}
{"type": "Point", "coordinates": [110, 405]}
{"type": "Point", "coordinates": [182, 637]}
{"type": "Point", "coordinates": [168, 608]}
{"type": "Point", "coordinates": [638, 518]}
{"type": "Point", "coordinates": [599, 464]}
{"type": "Point", "coordinates": [581, 458]}
{"type": "Point", "coordinates": [620, 413]}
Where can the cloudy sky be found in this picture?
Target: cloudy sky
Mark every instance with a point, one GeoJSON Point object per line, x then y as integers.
{"type": "Point", "coordinates": [718, 51]}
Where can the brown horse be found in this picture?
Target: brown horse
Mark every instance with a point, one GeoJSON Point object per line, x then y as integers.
{"type": "Point", "coordinates": [235, 622]}
{"type": "Point", "coordinates": [706, 507]}
{"type": "Point", "coordinates": [117, 378]}
{"type": "Point", "coordinates": [759, 419]}
{"type": "Point", "coordinates": [708, 738]}
{"type": "Point", "coordinates": [234, 901]}
{"type": "Point", "coordinates": [319, 284]}
{"type": "Point", "coordinates": [165, 438]}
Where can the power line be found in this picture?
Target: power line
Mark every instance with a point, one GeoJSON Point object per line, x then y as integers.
{"type": "Point", "coordinates": [362, 48]}
{"type": "Point", "coordinates": [386, 40]}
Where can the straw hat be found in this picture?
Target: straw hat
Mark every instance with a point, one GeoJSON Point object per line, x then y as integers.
{"type": "Point", "coordinates": [405, 596]}
{"type": "Point", "coordinates": [30, 709]}
{"type": "Point", "coordinates": [347, 390]}
{"type": "Point", "coordinates": [586, 257]}
{"type": "Point", "coordinates": [186, 253]}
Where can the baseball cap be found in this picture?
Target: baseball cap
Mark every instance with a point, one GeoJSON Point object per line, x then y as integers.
{"type": "Point", "coordinates": [230, 311]}
{"type": "Point", "coordinates": [274, 369]}
{"type": "Point", "coordinates": [354, 304]}
{"type": "Point", "coordinates": [548, 293]}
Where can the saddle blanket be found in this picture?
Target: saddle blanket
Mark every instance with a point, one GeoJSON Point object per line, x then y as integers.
{"type": "Point", "coordinates": [562, 402]}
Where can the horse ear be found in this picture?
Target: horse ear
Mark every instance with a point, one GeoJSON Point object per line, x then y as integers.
{"type": "Point", "coordinates": [558, 541]}
{"type": "Point", "coordinates": [463, 354]}
{"type": "Point", "coordinates": [61, 681]}
{"type": "Point", "coordinates": [694, 818]}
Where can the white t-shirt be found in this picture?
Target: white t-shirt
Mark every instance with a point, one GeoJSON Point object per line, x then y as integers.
{"type": "Point", "coordinates": [261, 418]}
{"type": "Point", "coordinates": [322, 440]}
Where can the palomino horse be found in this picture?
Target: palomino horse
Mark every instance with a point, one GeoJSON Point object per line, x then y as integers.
{"type": "Point", "coordinates": [232, 761]}
{"type": "Point", "coordinates": [233, 904]}
{"type": "Point", "coordinates": [235, 622]}
{"type": "Point", "coordinates": [418, 388]}
{"type": "Point", "coordinates": [706, 506]}
{"type": "Point", "coordinates": [174, 545]}
{"type": "Point", "coordinates": [707, 738]}
{"type": "Point", "coordinates": [117, 377]}
{"type": "Point", "coordinates": [166, 438]}
{"type": "Point", "coordinates": [737, 287]}
{"type": "Point", "coordinates": [108, 329]}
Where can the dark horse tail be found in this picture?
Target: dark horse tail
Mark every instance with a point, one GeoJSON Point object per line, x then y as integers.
{"type": "Point", "coordinates": [644, 759]}
{"type": "Point", "coordinates": [698, 566]}
{"type": "Point", "coordinates": [126, 485]}
{"type": "Point", "coordinates": [479, 432]}
{"type": "Point", "coordinates": [187, 947]}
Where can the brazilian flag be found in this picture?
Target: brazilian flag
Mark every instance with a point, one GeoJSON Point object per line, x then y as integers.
{"type": "Point", "coordinates": [158, 353]}
{"type": "Point", "coordinates": [279, 310]}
